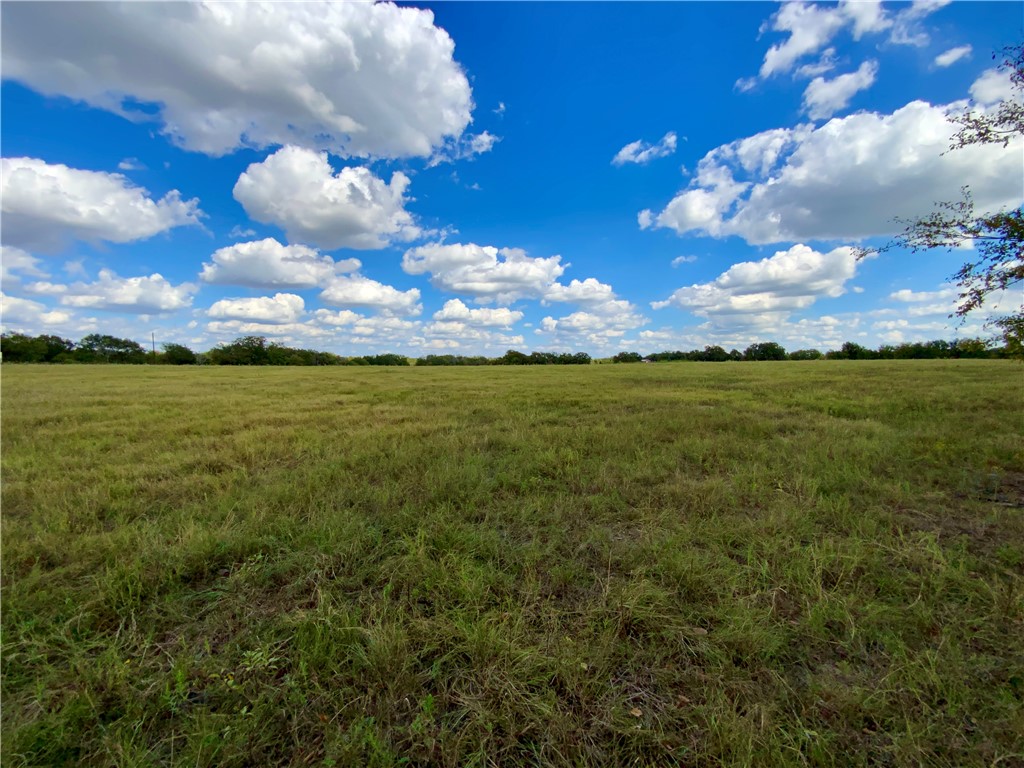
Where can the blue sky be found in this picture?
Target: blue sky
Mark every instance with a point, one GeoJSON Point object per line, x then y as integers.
{"type": "Point", "coordinates": [473, 177]}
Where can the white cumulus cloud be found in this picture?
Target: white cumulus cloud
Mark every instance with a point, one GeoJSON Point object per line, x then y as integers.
{"type": "Point", "coordinates": [641, 152]}
{"type": "Point", "coordinates": [466, 146]}
{"type": "Point", "coordinates": [678, 261]}
{"type": "Point", "coordinates": [360, 291]}
{"type": "Point", "coordinates": [240, 233]}
{"type": "Point", "coordinates": [383, 325]}
{"type": "Point", "coordinates": [45, 205]}
{"type": "Point", "coordinates": [358, 79]}
{"type": "Point", "coordinates": [141, 295]}
{"type": "Point", "coordinates": [784, 282]}
{"type": "Point", "coordinates": [25, 313]}
{"type": "Point", "coordinates": [483, 272]}
{"type": "Point", "coordinates": [823, 98]}
{"type": "Point", "coordinates": [297, 190]}
{"type": "Point", "coordinates": [992, 87]}
{"type": "Point", "coordinates": [16, 263]}
{"type": "Point", "coordinates": [849, 178]}
{"type": "Point", "coordinates": [952, 56]}
{"type": "Point", "coordinates": [269, 264]}
{"type": "Point", "coordinates": [279, 308]}
{"type": "Point", "coordinates": [810, 28]}
{"type": "Point", "coordinates": [455, 311]}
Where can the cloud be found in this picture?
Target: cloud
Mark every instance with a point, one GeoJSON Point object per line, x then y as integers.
{"type": "Point", "coordinates": [593, 328]}
{"type": "Point", "coordinates": [453, 335]}
{"type": "Point", "coordinates": [705, 205]}
{"type": "Point", "coordinates": [286, 332]}
{"type": "Point", "coordinates": [591, 294]}
{"type": "Point", "coordinates": [269, 264]}
{"type": "Point", "coordinates": [345, 329]}
{"type": "Point", "coordinates": [340, 318]}
{"type": "Point", "coordinates": [907, 23]}
{"type": "Point", "coordinates": [15, 263]}
{"type": "Point", "coordinates": [992, 87]}
{"type": "Point", "coordinates": [455, 311]}
{"type": "Point", "coordinates": [823, 98]}
{"type": "Point", "coordinates": [924, 314]}
{"type": "Point", "coordinates": [603, 319]}
{"type": "Point", "coordinates": [279, 308]}
{"type": "Point", "coordinates": [241, 233]}
{"type": "Point", "coordinates": [680, 260]}
{"type": "Point", "coordinates": [850, 178]}
{"type": "Point", "coordinates": [945, 301]}
{"type": "Point", "coordinates": [909, 296]}
{"type": "Point", "coordinates": [297, 190]}
{"type": "Point", "coordinates": [16, 312]}
{"type": "Point", "coordinates": [358, 79]}
{"type": "Point", "coordinates": [864, 16]}
{"type": "Point", "coordinates": [952, 56]}
{"type": "Point", "coordinates": [140, 295]}
{"type": "Point", "coordinates": [812, 27]}
{"type": "Point", "coordinates": [490, 274]}
{"type": "Point", "coordinates": [131, 164]}
{"type": "Point", "coordinates": [464, 147]}
{"type": "Point", "coordinates": [485, 273]}
{"type": "Point", "coordinates": [789, 280]}
{"type": "Point", "coordinates": [641, 152]}
{"type": "Point", "coordinates": [46, 205]}
{"type": "Point", "coordinates": [389, 327]}
{"type": "Point", "coordinates": [826, 63]}
{"type": "Point", "coordinates": [360, 291]}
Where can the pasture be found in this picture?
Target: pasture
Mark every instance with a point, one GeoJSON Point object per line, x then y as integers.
{"type": "Point", "coordinates": [757, 564]}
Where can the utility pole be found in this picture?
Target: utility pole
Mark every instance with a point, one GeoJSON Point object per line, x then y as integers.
{"type": "Point", "coordinates": [153, 336]}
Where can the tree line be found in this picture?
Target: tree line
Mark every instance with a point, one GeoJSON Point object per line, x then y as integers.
{"type": "Point", "coordinates": [770, 350]}
{"type": "Point", "coordinates": [256, 350]}
{"type": "Point", "coordinates": [98, 348]}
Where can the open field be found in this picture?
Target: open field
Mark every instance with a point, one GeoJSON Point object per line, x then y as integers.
{"type": "Point", "coordinates": [758, 564]}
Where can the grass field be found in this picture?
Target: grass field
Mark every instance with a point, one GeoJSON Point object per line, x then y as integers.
{"type": "Point", "coordinates": [759, 564]}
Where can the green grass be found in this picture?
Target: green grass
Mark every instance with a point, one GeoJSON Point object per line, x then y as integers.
{"type": "Point", "coordinates": [675, 564]}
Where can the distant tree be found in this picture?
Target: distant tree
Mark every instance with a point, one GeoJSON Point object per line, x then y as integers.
{"type": "Point", "coordinates": [970, 348]}
{"type": "Point", "coordinates": [452, 360]}
{"type": "Point", "coordinates": [627, 357]}
{"type": "Point", "coordinates": [100, 348]}
{"type": "Point", "coordinates": [806, 354]}
{"type": "Point", "coordinates": [387, 359]}
{"type": "Point", "coordinates": [19, 348]}
{"type": "Point", "coordinates": [178, 354]}
{"type": "Point", "coordinates": [854, 351]}
{"type": "Point", "coordinates": [766, 350]}
{"type": "Point", "coordinates": [714, 354]}
{"type": "Point", "coordinates": [512, 357]}
{"type": "Point", "coordinates": [998, 238]}
{"type": "Point", "coordinates": [55, 348]}
{"type": "Point", "coordinates": [245, 350]}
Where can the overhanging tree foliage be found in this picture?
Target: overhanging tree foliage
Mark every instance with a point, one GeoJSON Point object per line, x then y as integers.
{"type": "Point", "coordinates": [998, 238]}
